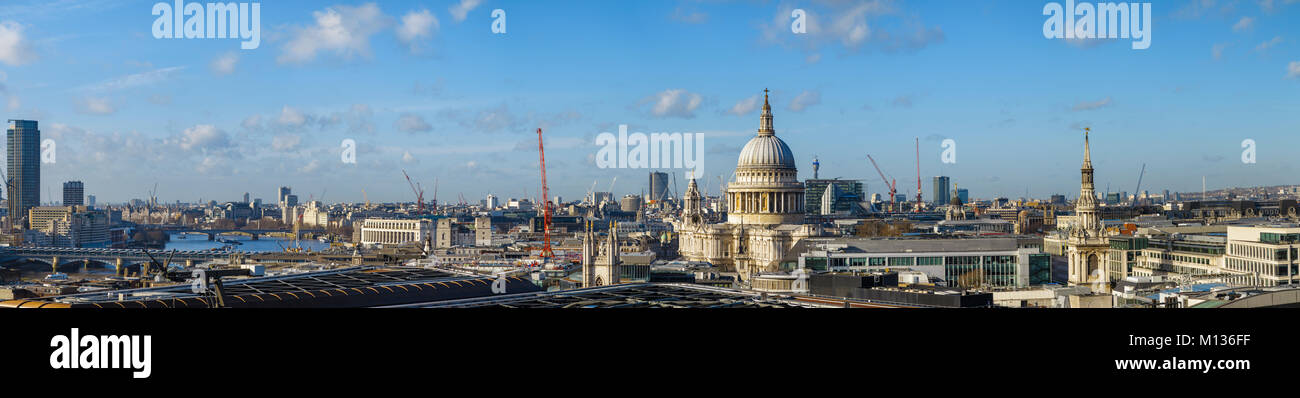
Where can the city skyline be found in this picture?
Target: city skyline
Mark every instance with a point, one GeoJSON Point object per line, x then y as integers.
{"type": "Point", "coordinates": [422, 86]}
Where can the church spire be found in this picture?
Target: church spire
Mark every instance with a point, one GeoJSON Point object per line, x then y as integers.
{"type": "Point", "coordinates": [1087, 152]}
{"type": "Point", "coordinates": [765, 128]}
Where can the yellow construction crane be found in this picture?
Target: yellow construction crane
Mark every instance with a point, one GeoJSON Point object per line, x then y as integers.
{"type": "Point", "coordinates": [367, 198]}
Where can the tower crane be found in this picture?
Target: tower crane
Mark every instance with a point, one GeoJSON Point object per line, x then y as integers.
{"type": "Point", "coordinates": [419, 194]}
{"type": "Point", "coordinates": [9, 190]}
{"type": "Point", "coordinates": [892, 184]}
{"type": "Point", "coordinates": [919, 203]}
{"type": "Point", "coordinates": [547, 254]}
{"type": "Point", "coordinates": [1139, 187]}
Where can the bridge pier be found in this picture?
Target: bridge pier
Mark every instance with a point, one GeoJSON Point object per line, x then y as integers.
{"type": "Point", "coordinates": [117, 267]}
{"type": "Point", "coordinates": [189, 263]}
{"type": "Point", "coordinates": [255, 236]}
{"type": "Point", "coordinates": [54, 264]}
{"type": "Point", "coordinates": [85, 265]}
{"type": "Point", "coordinates": [212, 236]}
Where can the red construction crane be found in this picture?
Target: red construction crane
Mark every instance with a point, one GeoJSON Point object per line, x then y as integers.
{"type": "Point", "coordinates": [919, 204]}
{"type": "Point", "coordinates": [419, 194]}
{"type": "Point", "coordinates": [547, 254]}
{"type": "Point", "coordinates": [888, 182]}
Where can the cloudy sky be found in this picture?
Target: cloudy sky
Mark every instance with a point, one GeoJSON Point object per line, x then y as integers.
{"type": "Point", "coordinates": [427, 87]}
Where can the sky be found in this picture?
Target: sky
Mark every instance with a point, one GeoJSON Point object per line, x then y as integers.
{"type": "Point", "coordinates": [427, 87]}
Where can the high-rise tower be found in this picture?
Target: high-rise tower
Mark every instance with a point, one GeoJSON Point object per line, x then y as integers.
{"type": "Point", "coordinates": [24, 169]}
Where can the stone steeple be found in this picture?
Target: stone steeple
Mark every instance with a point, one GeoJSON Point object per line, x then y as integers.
{"type": "Point", "coordinates": [1086, 208]}
{"type": "Point", "coordinates": [765, 128]}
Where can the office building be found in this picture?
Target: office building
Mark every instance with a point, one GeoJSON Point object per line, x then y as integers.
{"type": "Point", "coordinates": [1263, 256]}
{"type": "Point", "coordinates": [941, 195]}
{"type": "Point", "coordinates": [844, 195]}
{"type": "Point", "coordinates": [963, 194]}
{"type": "Point", "coordinates": [90, 200]}
{"type": "Point", "coordinates": [492, 201]}
{"type": "Point", "coordinates": [658, 187]}
{"type": "Point", "coordinates": [74, 193]}
{"type": "Point", "coordinates": [24, 168]}
{"type": "Point", "coordinates": [966, 262]}
{"type": "Point", "coordinates": [283, 196]}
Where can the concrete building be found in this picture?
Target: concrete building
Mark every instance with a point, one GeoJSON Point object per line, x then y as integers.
{"type": "Point", "coordinates": [68, 226]}
{"type": "Point", "coordinates": [381, 231]}
{"type": "Point", "coordinates": [630, 203]}
{"type": "Point", "coordinates": [24, 171]}
{"type": "Point", "coordinates": [941, 193]}
{"type": "Point", "coordinates": [315, 214]}
{"type": "Point", "coordinates": [74, 193]}
{"type": "Point", "coordinates": [483, 231]}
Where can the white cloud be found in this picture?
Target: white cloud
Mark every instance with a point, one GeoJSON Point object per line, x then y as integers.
{"type": "Point", "coordinates": [292, 117]}
{"type": "Point", "coordinates": [97, 106]}
{"type": "Point", "coordinates": [1087, 106]}
{"type": "Point", "coordinates": [1217, 50]}
{"type": "Point", "coordinates": [1269, 44]}
{"type": "Point", "coordinates": [203, 137]}
{"type": "Point", "coordinates": [1293, 70]}
{"type": "Point", "coordinates": [342, 30]}
{"type": "Point", "coordinates": [805, 99]}
{"type": "Point", "coordinates": [225, 63]}
{"type": "Point", "coordinates": [851, 25]}
{"type": "Point", "coordinates": [285, 142]}
{"type": "Point", "coordinates": [1246, 23]}
{"type": "Point", "coordinates": [745, 106]}
{"type": "Point", "coordinates": [412, 123]}
{"type": "Point", "coordinates": [13, 47]}
{"type": "Point", "coordinates": [12, 103]}
{"type": "Point", "coordinates": [407, 158]}
{"type": "Point", "coordinates": [252, 122]}
{"type": "Point", "coordinates": [135, 80]}
{"type": "Point", "coordinates": [416, 25]}
{"type": "Point", "coordinates": [310, 167]}
{"type": "Point", "coordinates": [461, 10]}
{"type": "Point", "coordinates": [674, 103]}
{"type": "Point", "coordinates": [681, 14]}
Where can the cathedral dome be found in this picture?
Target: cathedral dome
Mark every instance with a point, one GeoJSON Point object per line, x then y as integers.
{"type": "Point", "coordinates": [766, 151]}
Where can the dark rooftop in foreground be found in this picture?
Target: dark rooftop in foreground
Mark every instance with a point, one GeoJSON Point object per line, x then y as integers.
{"type": "Point", "coordinates": [639, 295]}
{"type": "Point", "coordinates": [349, 287]}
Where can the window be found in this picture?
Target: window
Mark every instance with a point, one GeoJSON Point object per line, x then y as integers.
{"type": "Point", "coordinates": [901, 261]}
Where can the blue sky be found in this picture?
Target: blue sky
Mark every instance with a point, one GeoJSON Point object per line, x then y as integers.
{"type": "Point", "coordinates": [450, 100]}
